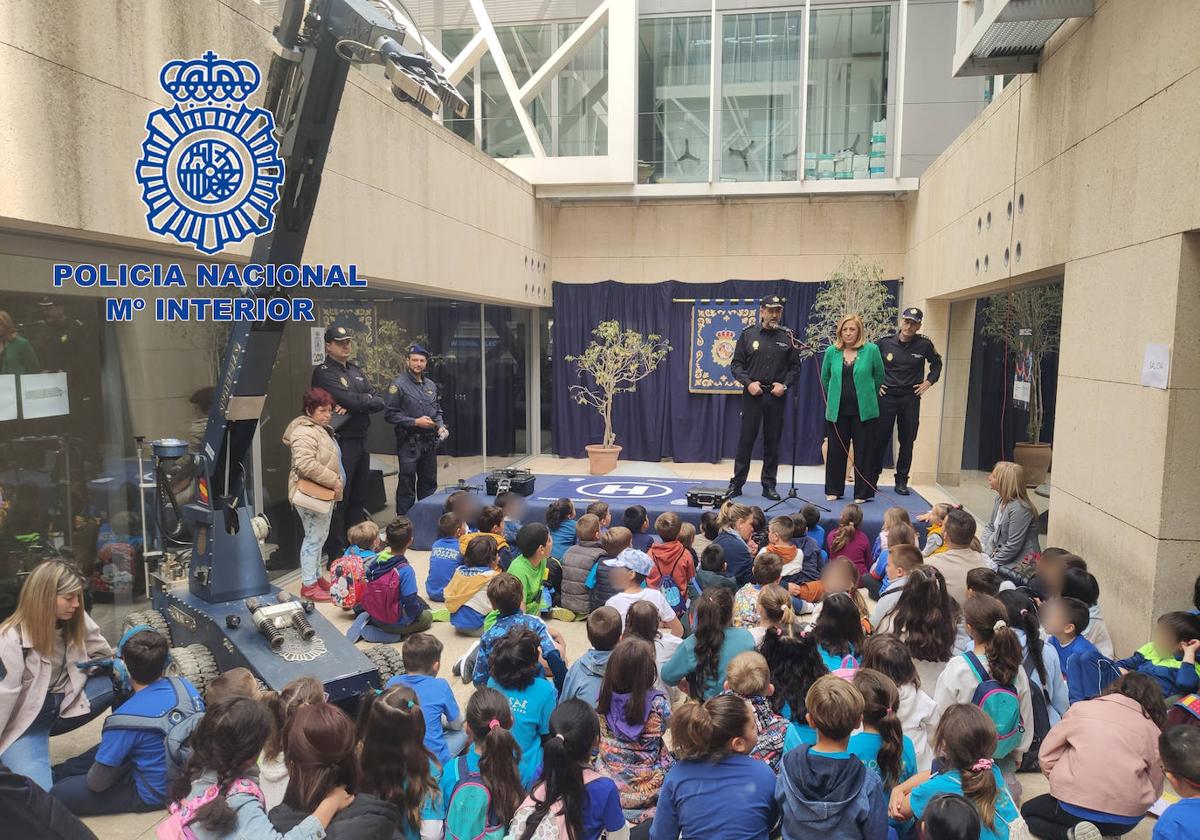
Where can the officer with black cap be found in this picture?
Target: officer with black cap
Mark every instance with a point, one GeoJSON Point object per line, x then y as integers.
{"type": "Point", "coordinates": [55, 336]}
{"type": "Point", "coordinates": [412, 407]}
{"type": "Point", "coordinates": [905, 355]}
{"type": "Point", "coordinates": [355, 401]}
{"type": "Point", "coordinates": [766, 363]}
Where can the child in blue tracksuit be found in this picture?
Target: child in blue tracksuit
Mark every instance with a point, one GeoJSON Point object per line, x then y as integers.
{"type": "Point", "coordinates": [391, 606]}
{"type": "Point", "coordinates": [1170, 657]}
{"type": "Point", "coordinates": [1179, 747]}
{"type": "Point", "coordinates": [445, 556]}
{"type": "Point", "coordinates": [1084, 668]}
{"type": "Point", "coordinates": [811, 517]}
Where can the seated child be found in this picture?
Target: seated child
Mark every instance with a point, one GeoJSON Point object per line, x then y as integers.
{"type": "Point", "coordinates": [882, 744]}
{"type": "Point", "coordinates": [804, 580]}
{"type": "Point", "coordinates": [236, 682]}
{"type": "Point", "coordinates": [1179, 747]}
{"type": "Point", "coordinates": [1078, 583]}
{"type": "Point", "coordinates": [587, 672]}
{"type": "Point", "coordinates": [422, 656]}
{"type": "Point", "coordinates": [445, 556]}
{"type": "Point", "coordinates": [578, 565]}
{"type": "Point", "coordinates": [273, 774]}
{"type": "Point", "coordinates": [898, 534]}
{"type": "Point", "coordinates": [839, 632]}
{"type": "Point", "coordinates": [531, 566]}
{"type": "Point", "coordinates": [127, 771]}
{"type": "Point", "coordinates": [513, 506]}
{"type": "Point", "coordinates": [918, 714]}
{"type": "Point", "coordinates": [981, 581]}
{"type": "Point", "coordinates": [466, 593]}
{"type": "Point", "coordinates": [813, 527]}
{"type": "Point", "coordinates": [713, 744]}
{"type": "Point", "coordinates": [1170, 657]}
{"type": "Point", "coordinates": [902, 558]}
{"type": "Point", "coordinates": [489, 723]}
{"type": "Point", "coordinates": [687, 536]}
{"type": "Point", "coordinates": [965, 743]}
{"type": "Point", "coordinates": [764, 572]}
{"type": "Point", "coordinates": [1083, 667]}
{"type": "Point", "coordinates": [613, 542]}
{"type": "Point", "coordinates": [560, 519]}
{"type": "Point", "coordinates": [637, 523]}
{"type": "Point", "coordinates": [841, 575]}
{"type": "Point", "coordinates": [391, 606]}
{"type": "Point", "coordinates": [628, 572]}
{"type": "Point", "coordinates": [601, 512]}
{"type": "Point", "coordinates": [874, 581]}
{"type": "Point", "coordinates": [825, 789]}
{"type": "Point", "coordinates": [642, 621]}
{"type": "Point", "coordinates": [949, 816]}
{"type": "Point", "coordinates": [774, 612]}
{"type": "Point", "coordinates": [506, 594]}
{"type": "Point", "coordinates": [712, 569]}
{"type": "Point", "coordinates": [347, 576]}
{"type": "Point", "coordinates": [516, 672]}
{"type": "Point", "coordinates": [673, 571]}
{"type": "Point", "coordinates": [795, 665]}
{"type": "Point", "coordinates": [708, 525]}
{"type": "Point", "coordinates": [935, 542]}
{"type": "Point", "coordinates": [758, 524]}
{"type": "Point", "coordinates": [748, 677]}
{"type": "Point", "coordinates": [491, 524]}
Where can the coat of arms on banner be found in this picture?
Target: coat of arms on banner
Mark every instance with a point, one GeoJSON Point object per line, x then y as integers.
{"type": "Point", "coordinates": [716, 326]}
{"type": "Point", "coordinates": [210, 169]}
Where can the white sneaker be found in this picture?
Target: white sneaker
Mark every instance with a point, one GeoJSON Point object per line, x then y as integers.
{"type": "Point", "coordinates": [459, 669]}
{"type": "Point", "coordinates": [1084, 831]}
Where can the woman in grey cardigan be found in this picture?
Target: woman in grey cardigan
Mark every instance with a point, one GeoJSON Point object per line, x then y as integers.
{"type": "Point", "coordinates": [1012, 531]}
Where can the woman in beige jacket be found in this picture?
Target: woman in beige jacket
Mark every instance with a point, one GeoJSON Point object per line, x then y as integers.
{"type": "Point", "coordinates": [42, 693]}
{"type": "Point", "coordinates": [316, 457]}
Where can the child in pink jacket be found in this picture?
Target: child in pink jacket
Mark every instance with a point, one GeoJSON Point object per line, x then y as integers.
{"type": "Point", "coordinates": [1102, 762]}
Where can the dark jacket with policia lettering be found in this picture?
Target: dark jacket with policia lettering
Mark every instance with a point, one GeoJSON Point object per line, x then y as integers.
{"type": "Point", "coordinates": [904, 362]}
{"type": "Point", "coordinates": [765, 356]}
{"type": "Point", "coordinates": [350, 389]}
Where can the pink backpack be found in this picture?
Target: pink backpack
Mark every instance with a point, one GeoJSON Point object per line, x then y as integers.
{"type": "Point", "coordinates": [554, 825]}
{"type": "Point", "coordinates": [175, 826]}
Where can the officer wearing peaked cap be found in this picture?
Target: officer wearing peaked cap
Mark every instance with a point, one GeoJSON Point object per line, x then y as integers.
{"type": "Point", "coordinates": [414, 411]}
{"type": "Point", "coordinates": [356, 401]}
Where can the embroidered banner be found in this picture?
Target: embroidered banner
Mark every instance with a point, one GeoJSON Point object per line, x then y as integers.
{"type": "Point", "coordinates": [716, 326]}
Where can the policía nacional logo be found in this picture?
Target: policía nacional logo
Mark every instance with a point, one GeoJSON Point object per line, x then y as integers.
{"type": "Point", "coordinates": [210, 168]}
{"type": "Point", "coordinates": [724, 343]}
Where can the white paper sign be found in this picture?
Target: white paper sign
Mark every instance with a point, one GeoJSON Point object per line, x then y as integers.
{"type": "Point", "coordinates": [1156, 366]}
{"type": "Point", "coordinates": [317, 340]}
{"type": "Point", "coordinates": [8, 397]}
{"type": "Point", "coordinates": [44, 395]}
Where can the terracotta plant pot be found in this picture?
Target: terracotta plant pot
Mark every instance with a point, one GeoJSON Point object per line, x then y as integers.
{"type": "Point", "coordinates": [1035, 458]}
{"type": "Point", "coordinates": [602, 459]}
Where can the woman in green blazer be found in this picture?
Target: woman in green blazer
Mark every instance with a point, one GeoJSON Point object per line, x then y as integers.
{"type": "Point", "coordinates": [851, 376]}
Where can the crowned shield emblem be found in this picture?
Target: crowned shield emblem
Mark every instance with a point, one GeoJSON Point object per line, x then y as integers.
{"type": "Point", "coordinates": [724, 343]}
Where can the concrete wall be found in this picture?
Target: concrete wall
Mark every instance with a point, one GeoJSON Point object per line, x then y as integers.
{"type": "Point", "coordinates": [1098, 153]}
{"type": "Point", "coordinates": [712, 240]}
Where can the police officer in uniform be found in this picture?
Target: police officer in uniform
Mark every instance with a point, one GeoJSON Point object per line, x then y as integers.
{"type": "Point", "coordinates": [55, 336]}
{"type": "Point", "coordinates": [905, 355]}
{"type": "Point", "coordinates": [355, 402]}
{"type": "Point", "coordinates": [412, 407]}
{"type": "Point", "coordinates": [766, 363]}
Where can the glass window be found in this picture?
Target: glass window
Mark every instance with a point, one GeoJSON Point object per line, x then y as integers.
{"type": "Point", "coordinates": [674, 58]}
{"type": "Point", "coordinates": [506, 355]}
{"type": "Point", "coordinates": [847, 133]}
{"type": "Point", "coordinates": [760, 96]}
{"type": "Point", "coordinates": [526, 48]}
{"type": "Point", "coordinates": [582, 116]}
{"type": "Point", "coordinates": [453, 42]}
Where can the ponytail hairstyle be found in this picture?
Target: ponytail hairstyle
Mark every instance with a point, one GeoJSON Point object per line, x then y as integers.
{"type": "Point", "coordinates": [320, 755]}
{"type": "Point", "coordinates": [558, 512]}
{"type": "Point", "coordinates": [848, 524]}
{"type": "Point", "coordinates": [489, 720]}
{"type": "Point", "coordinates": [732, 513]}
{"type": "Point", "coordinates": [227, 741]}
{"type": "Point", "coordinates": [839, 626]}
{"type": "Point", "coordinates": [885, 653]}
{"type": "Point", "coordinates": [926, 616]}
{"type": "Point", "coordinates": [707, 730]}
{"type": "Point", "coordinates": [795, 665]}
{"type": "Point", "coordinates": [393, 763]}
{"type": "Point", "coordinates": [574, 729]}
{"type": "Point", "coordinates": [987, 620]}
{"type": "Point", "coordinates": [965, 741]}
{"type": "Point", "coordinates": [1145, 690]}
{"type": "Point", "coordinates": [775, 605]}
{"type": "Point", "coordinates": [630, 670]}
{"type": "Point", "coordinates": [641, 622]}
{"type": "Point", "coordinates": [283, 704]}
{"type": "Point", "coordinates": [881, 700]}
{"type": "Point", "coordinates": [714, 612]}
{"type": "Point", "coordinates": [1023, 614]}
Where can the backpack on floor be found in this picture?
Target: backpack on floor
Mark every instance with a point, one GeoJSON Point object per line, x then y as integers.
{"type": "Point", "coordinates": [1039, 698]}
{"type": "Point", "coordinates": [469, 814]}
{"type": "Point", "coordinates": [175, 725]}
{"type": "Point", "coordinates": [348, 581]}
{"type": "Point", "coordinates": [1001, 703]}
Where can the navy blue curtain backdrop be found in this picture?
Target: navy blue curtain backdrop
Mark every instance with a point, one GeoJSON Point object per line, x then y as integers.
{"type": "Point", "coordinates": [662, 419]}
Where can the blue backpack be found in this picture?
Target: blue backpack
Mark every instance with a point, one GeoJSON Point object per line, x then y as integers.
{"type": "Point", "coordinates": [469, 814]}
{"type": "Point", "coordinates": [175, 725]}
{"type": "Point", "coordinates": [999, 702]}
{"type": "Point", "coordinates": [670, 592]}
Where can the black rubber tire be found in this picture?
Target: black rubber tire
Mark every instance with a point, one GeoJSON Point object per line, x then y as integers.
{"type": "Point", "coordinates": [152, 617]}
{"type": "Point", "coordinates": [387, 659]}
{"type": "Point", "coordinates": [194, 663]}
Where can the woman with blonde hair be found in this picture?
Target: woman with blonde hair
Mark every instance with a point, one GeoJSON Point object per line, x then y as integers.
{"type": "Point", "coordinates": [16, 353]}
{"type": "Point", "coordinates": [851, 376]}
{"type": "Point", "coordinates": [735, 525]}
{"type": "Point", "coordinates": [42, 693]}
{"type": "Point", "coordinates": [1011, 533]}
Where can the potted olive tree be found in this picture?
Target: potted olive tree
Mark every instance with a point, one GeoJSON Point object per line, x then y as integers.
{"type": "Point", "coordinates": [613, 362]}
{"type": "Point", "coordinates": [1029, 322]}
{"type": "Point", "coordinates": [855, 287]}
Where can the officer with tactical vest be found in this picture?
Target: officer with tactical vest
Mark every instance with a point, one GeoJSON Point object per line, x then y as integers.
{"type": "Point", "coordinates": [413, 408]}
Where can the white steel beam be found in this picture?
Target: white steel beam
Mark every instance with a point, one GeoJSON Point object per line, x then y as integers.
{"type": "Point", "coordinates": [465, 61]}
{"type": "Point", "coordinates": [565, 52]}
{"type": "Point", "coordinates": [506, 76]}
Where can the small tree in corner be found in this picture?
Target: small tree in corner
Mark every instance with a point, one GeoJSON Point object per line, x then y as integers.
{"type": "Point", "coordinates": [615, 361]}
{"type": "Point", "coordinates": [855, 287]}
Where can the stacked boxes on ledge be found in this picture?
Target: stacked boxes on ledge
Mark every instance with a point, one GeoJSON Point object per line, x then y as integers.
{"type": "Point", "coordinates": [877, 158]}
